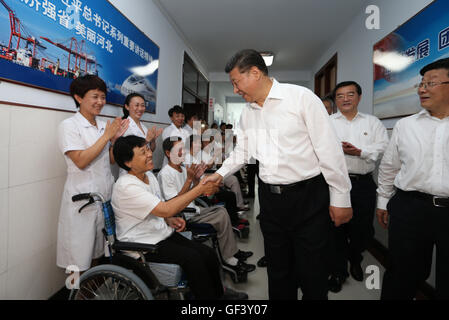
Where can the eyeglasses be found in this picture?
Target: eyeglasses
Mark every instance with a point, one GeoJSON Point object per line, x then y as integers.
{"type": "Point", "coordinates": [430, 84]}
{"type": "Point", "coordinates": [350, 95]}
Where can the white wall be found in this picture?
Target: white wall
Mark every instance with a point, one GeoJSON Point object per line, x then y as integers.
{"type": "Point", "coordinates": [355, 56]}
{"type": "Point", "coordinates": [33, 172]}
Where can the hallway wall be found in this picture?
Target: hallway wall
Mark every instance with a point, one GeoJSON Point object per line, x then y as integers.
{"type": "Point", "coordinates": [33, 172]}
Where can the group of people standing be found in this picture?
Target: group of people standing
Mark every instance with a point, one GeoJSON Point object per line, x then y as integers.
{"type": "Point", "coordinates": [317, 192]}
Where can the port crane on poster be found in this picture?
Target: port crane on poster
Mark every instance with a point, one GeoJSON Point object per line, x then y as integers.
{"type": "Point", "coordinates": [24, 56]}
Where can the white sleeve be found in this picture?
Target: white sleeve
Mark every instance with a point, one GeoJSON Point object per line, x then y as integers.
{"type": "Point", "coordinates": [374, 152]}
{"type": "Point", "coordinates": [328, 150]}
{"type": "Point", "coordinates": [168, 185]}
{"type": "Point", "coordinates": [239, 156]}
{"type": "Point", "coordinates": [133, 200]}
{"type": "Point", "coordinates": [388, 169]}
{"type": "Point", "coordinates": [70, 138]}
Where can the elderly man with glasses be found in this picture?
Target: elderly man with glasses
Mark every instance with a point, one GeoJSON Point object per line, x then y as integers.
{"type": "Point", "coordinates": [413, 193]}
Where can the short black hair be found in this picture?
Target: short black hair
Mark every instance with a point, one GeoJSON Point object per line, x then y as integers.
{"type": "Point", "coordinates": [345, 84]}
{"type": "Point", "coordinates": [191, 139]}
{"type": "Point", "coordinates": [190, 115]}
{"type": "Point", "coordinates": [81, 85]}
{"type": "Point", "coordinates": [439, 64]}
{"type": "Point", "coordinates": [169, 142]}
{"type": "Point", "coordinates": [175, 109]}
{"type": "Point", "coordinates": [328, 97]}
{"type": "Point", "coordinates": [128, 99]}
{"type": "Point", "coordinates": [245, 60]}
{"type": "Point", "coordinates": [123, 149]}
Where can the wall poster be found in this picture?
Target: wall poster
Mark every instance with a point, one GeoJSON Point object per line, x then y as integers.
{"type": "Point", "coordinates": [48, 43]}
{"type": "Point", "coordinates": [399, 57]}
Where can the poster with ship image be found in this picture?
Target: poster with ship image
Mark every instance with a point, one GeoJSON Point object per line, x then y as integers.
{"type": "Point", "coordinates": [47, 43]}
{"type": "Point", "coordinates": [400, 56]}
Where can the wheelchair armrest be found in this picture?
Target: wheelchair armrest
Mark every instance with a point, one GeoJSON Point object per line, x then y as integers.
{"type": "Point", "coordinates": [189, 210]}
{"type": "Point", "coordinates": [134, 246]}
{"type": "Point", "coordinates": [210, 171]}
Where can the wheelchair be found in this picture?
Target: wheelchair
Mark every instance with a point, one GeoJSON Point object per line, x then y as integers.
{"type": "Point", "coordinates": [121, 277]}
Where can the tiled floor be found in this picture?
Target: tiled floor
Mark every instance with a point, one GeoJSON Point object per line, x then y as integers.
{"type": "Point", "coordinates": [257, 287]}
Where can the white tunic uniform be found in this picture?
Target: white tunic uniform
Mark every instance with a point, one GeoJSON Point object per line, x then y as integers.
{"type": "Point", "coordinates": [80, 238]}
{"type": "Point", "coordinates": [134, 130]}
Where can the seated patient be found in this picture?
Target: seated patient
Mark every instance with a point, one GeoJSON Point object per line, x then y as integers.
{"type": "Point", "coordinates": [142, 217]}
{"type": "Point", "coordinates": [175, 180]}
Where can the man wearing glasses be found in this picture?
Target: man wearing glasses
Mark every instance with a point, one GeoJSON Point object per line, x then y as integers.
{"type": "Point", "coordinates": [364, 139]}
{"type": "Point", "coordinates": [413, 193]}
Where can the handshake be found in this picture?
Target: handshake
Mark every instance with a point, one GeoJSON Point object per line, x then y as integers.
{"type": "Point", "coordinates": [210, 184]}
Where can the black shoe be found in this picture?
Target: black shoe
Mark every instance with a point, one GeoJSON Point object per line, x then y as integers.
{"type": "Point", "coordinates": [241, 267]}
{"type": "Point", "coordinates": [356, 271]}
{"type": "Point", "coordinates": [262, 263]}
{"type": "Point", "coordinates": [335, 283]}
{"type": "Point", "coordinates": [230, 294]}
{"type": "Point", "coordinates": [243, 255]}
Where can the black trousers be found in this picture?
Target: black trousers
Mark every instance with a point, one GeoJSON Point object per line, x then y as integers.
{"type": "Point", "coordinates": [296, 228]}
{"type": "Point", "coordinates": [198, 261]}
{"type": "Point", "coordinates": [415, 227]}
{"type": "Point", "coordinates": [252, 171]}
{"type": "Point", "coordinates": [354, 237]}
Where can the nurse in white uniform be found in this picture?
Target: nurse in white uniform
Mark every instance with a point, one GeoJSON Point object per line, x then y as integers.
{"type": "Point", "coordinates": [133, 109]}
{"type": "Point", "coordinates": [86, 144]}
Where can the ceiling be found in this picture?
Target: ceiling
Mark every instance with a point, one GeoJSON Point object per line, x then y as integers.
{"type": "Point", "coordinates": [297, 31]}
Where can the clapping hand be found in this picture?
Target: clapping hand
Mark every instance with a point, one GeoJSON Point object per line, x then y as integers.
{"type": "Point", "coordinates": [116, 129]}
{"type": "Point", "coordinates": [153, 133]}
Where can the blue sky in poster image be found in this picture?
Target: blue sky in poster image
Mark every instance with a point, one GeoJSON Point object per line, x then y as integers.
{"type": "Point", "coordinates": [114, 67]}
{"type": "Point", "coordinates": [426, 25]}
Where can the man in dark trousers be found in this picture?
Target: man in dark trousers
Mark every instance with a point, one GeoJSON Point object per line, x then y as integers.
{"type": "Point", "coordinates": [363, 139]}
{"type": "Point", "coordinates": [413, 193]}
{"type": "Point", "coordinates": [304, 183]}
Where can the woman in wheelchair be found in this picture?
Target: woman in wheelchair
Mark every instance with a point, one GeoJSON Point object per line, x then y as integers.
{"type": "Point", "coordinates": [142, 217]}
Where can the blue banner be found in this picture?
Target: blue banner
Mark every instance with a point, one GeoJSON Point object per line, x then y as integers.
{"type": "Point", "coordinates": [400, 56]}
{"type": "Point", "coordinates": [47, 44]}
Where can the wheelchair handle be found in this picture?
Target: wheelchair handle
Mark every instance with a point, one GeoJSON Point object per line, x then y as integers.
{"type": "Point", "coordinates": [82, 196]}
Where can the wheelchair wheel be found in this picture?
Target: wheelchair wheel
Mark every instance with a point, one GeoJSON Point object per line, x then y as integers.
{"type": "Point", "coordinates": [109, 282]}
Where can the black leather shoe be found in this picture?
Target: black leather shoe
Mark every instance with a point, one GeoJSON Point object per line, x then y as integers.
{"type": "Point", "coordinates": [245, 267]}
{"type": "Point", "coordinates": [335, 283]}
{"type": "Point", "coordinates": [356, 271]}
{"type": "Point", "coordinates": [262, 263]}
{"type": "Point", "coordinates": [243, 255]}
{"type": "Point", "coordinates": [230, 294]}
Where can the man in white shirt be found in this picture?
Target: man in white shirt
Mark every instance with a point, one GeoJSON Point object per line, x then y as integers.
{"type": "Point", "coordinates": [304, 182]}
{"type": "Point", "coordinates": [175, 180]}
{"type": "Point", "coordinates": [413, 193]}
{"type": "Point", "coordinates": [364, 139]}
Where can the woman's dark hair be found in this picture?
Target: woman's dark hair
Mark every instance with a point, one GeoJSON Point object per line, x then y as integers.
{"type": "Point", "coordinates": [245, 60]}
{"type": "Point", "coordinates": [123, 149]}
{"type": "Point", "coordinates": [128, 99]}
{"type": "Point", "coordinates": [439, 64]}
{"type": "Point", "coordinates": [81, 85]}
{"type": "Point", "coordinates": [168, 143]}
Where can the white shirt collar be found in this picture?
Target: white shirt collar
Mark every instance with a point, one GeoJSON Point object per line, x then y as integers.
{"type": "Point", "coordinates": [84, 122]}
{"type": "Point", "coordinates": [340, 115]}
{"type": "Point", "coordinates": [275, 93]}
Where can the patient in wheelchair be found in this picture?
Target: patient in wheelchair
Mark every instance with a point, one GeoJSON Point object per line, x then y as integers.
{"type": "Point", "coordinates": [141, 216]}
{"type": "Point", "coordinates": [175, 180]}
